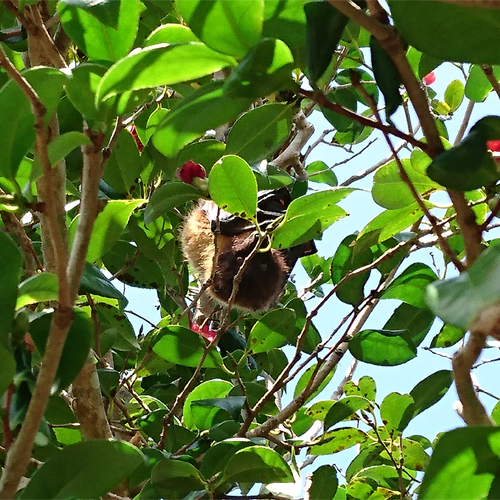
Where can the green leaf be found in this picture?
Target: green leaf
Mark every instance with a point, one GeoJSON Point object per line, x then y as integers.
{"type": "Point", "coordinates": [271, 125]}
{"type": "Point", "coordinates": [58, 149]}
{"type": "Point", "coordinates": [309, 216]}
{"type": "Point", "coordinates": [171, 33]}
{"type": "Point", "coordinates": [430, 390]}
{"type": "Point", "coordinates": [41, 287]}
{"type": "Point", "coordinates": [106, 11]}
{"type": "Point", "coordinates": [320, 172]}
{"type": "Point", "coordinates": [478, 86]}
{"type": "Point", "coordinates": [228, 26]}
{"type": "Point", "coordinates": [93, 281]}
{"type": "Point", "coordinates": [257, 464]}
{"type": "Point", "coordinates": [437, 29]}
{"type": "Point", "coordinates": [467, 166]}
{"type": "Point", "coordinates": [115, 329]}
{"type": "Point", "coordinates": [231, 404]}
{"type": "Point", "coordinates": [365, 388]}
{"type": "Point", "coordinates": [459, 301]}
{"type": "Point", "coordinates": [76, 347]}
{"type": "Point", "coordinates": [469, 455]}
{"type": "Point", "coordinates": [386, 76]}
{"type": "Point", "coordinates": [175, 478]}
{"type": "Point", "coordinates": [448, 335]}
{"type": "Point", "coordinates": [338, 440]}
{"type": "Point", "coordinates": [7, 368]}
{"type": "Point", "coordinates": [320, 409]}
{"type": "Point", "coordinates": [217, 456]}
{"type": "Point", "coordinates": [108, 226]}
{"type": "Point", "coordinates": [233, 187]}
{"type": "Point", "coordinates": [108, 463]}
{"type": "Point", "coordinates": [454, 95]}
{"type": "Point", "coordinates": [324, 483]}
{"type": "Point", "coordinates": [271, 330]}
{"type": "Point", "coordinates": [325, 25]}
{"type": "Point", "coordinates": [9, 279]}
{"type": "Point", "coordinates": [265, 69]}
{"type": "Point", "coordinates": [344, 409]}
{"type": "Point", "coordinates": [210, 389]}
{"type": "Point", "coordinates": [95, 39]}
{"type": "Point", "coordinates": [390, 191]}
{"type": "Point", "coordinates": [305, 379]}
{"type": "Point", "coordinates": [161, 64]}
{"type": "Point", "coordinates": [414, 320]}
{"type": "Point", "coordinates": [396, 412]}
{"type": "Point", "coordinates": [410, 285]}
{"type": "Point", "coordinates": [167, 197]}
{"type": "Point", "coordinates": [207, 108]}
{"type": "Point", "coordinates": [184, 347]}
{"type": "Point", "coordinates": [19, 136]}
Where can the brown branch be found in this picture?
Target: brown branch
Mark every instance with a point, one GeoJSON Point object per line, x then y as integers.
{"type": "Point", "coordinates": [488, 72]}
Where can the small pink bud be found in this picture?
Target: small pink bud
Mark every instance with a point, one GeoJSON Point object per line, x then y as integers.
{"type": "Point", "coordinates": [493, 145]}
{"type": "Point", "coordinates": [430, 78]}
{"type": "Point", "coordinates": [189, 171]}
{"type": "Point", "coordinates": [203, 331]}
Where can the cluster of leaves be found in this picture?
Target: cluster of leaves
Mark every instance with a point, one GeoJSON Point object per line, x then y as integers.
{"type": "Point", "coordinates": [146, 85]}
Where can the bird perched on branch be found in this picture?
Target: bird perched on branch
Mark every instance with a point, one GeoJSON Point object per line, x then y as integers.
{"type": "Point", "coordinates": [212, 237]}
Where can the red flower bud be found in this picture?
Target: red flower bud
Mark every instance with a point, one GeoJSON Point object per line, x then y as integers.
{"type": "Point", "coordinates": [203, 331]}
{"type": "Point", "coordinates": [430, 78]}
{"type": "Point", "coordinates": [189, 171]}
{"type": "Point", "coordinates": [493, 145]}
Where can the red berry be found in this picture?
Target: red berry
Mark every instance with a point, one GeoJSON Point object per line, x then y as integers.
{"type": "Point", "coordinates": [430, 78]}
{"type": "Point", "coordinates": [493, 145]}
{"type": "Point", "coordinates": [203, 331]}
{"type": "Point", "coordinates": [189, 171]}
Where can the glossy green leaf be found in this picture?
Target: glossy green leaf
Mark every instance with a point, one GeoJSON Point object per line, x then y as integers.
{"type": "Point", "coordinates": [454, 94]}
{"type": "Point", "coordinates": [108, 463]}
{"type": "Point", "coordinates": [345, 97]}
{"type": "Point", "coordinates": [167, 197]}
{"type": "Point", "coordinates": [76, 347]}
{"type": "Point", "coordinates": [108, 226]}
{"type": "Point", "coordinates": [228, 26]}
{"type": "Point", "coordinates": [309, 216]}
{"type": "Point", "coordinates": [430, 390]}
{"type": "Point", "coordinates": [233, 187]}
{"type": "Point", "coordinates": [396, 412]}
{"type": "Point", "coordinates": [115, 329]}
{"type": "Point", "coordinates": [19, 136]}
{"type": "Point", "coordinates": [231, 404]}
{"type": "Point", "coordinates": [458, 301]}
{"type": "Point", "coordinates": [271, 124]}
{"type": "Point", "coordinates": [161, 64]}
{"type": "Point", "coordinates": [97, 40]}
{"type": "Point", "coordinates": [325, 25]}
{"type": "Point", "coordinates": [437, 29]}
{"type": "Point", "coordinates": [93, 281]}
{"type": "Point", "coordinates": [469, 455]}
{"type": "Point", "coordinates": [448, 335]}
{"type": "Point", "coordinates": [344, 409]}
{"type": "Point", "coordinates": [305, 378]}
{"type": "Point", "coordinates": [320, 409]}
{"type": "Point", "coordinates": [365, 387]}
{"type": "Point", "coordinates": [410, 285]}
{"type": "Point", "coordinates": [106, 11]}
{"type": "Point", "coordinates": [184, 347]}
{"type": "Point", "coordinates": [265, 69]}
{"type": "Point", "coordinates": [324, 483]}
{"type": "Point", "coordinates": [271, 330]}
{"type": "Point", "coordinates": [176, 478]}
{"type": "Point", "coordinates": [208, 108]}
{"type": "Point", "coordinates": [207, 390]}
{"type": "Point", "coordinates": [58, 149]}
{"type": "Point", "coordinates": [320, 172]}
{"type": "Point", "coordinates": [41, 287]}
{"type": "Point", "coordinates": [171, 33]}
{"type": "Point", "coordinates": [257, 464]}
{"type": "Point", "coordinates": [7, 369]}
{"type": "Point", "coordinates": [412, 319]}
{"type": "Point", "coordinates": [478, 86]}
{"type": "Point", "coordinates": [387, 77]}
{"type": "Point", "coordinates": [339, 440]}
{"type": "Point", "coordinates": [9, 279]}
{"type": "Point", "coordinates": [217, 456]}
{"type": "Point", "coordinates": [390, 191]}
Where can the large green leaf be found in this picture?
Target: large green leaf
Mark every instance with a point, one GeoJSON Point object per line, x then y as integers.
{"type": "Point", "coordinates": [233, 187]}
{"type": "Point", "coordinates": [450, 32]}
{"type": "Point", "coordinates": [271, 330]}
{"type": "Point", "coordinates": [338, 440]}
{"type": "Point", "coordinates": [257, 464]}
{"type": "Point", "coordinates": [41, 287]}
{"type": "Point", "coordinates": [97, 40]}
{"type": "Point", "coordinates": [308, 216]}
{"type": "Point", "coordinates": [66, 474]}
{"type": "Point", "coordinates": [396, 412]}
{"type": "Point", "coordinates": [324, 483]}
{"type": "Point", "coordinates": [228, 26]}
{"type": "Point", "coordinates": [175, 478]}
{"type": "Point", "coordinates": [478, 86]}
{"type": "Point", "coordinates": [9, 279]}
{"type": "Point", "coordinates": [270, 126]}
{"type": "Point", "coordinates": [93, 281]}
{"type": "Point", "coordinates": [162, 64]}
{"type": "Point", "coordinates": [345, 408]}
{"type": "Point", "coordinates": [465, 465]}
{"type": "Point", "coordinates": [208, 108]}
{"type": "Point", "coordinates": [458, 301]}
{"type": "Point", "coordinates": [107, 227]}
{"type": "Point", "coordinates": [217, 456]}
{"type": "Point", "coordinates": [430, 390]}
{"type": "Point", "coordinates": [184, 347]}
